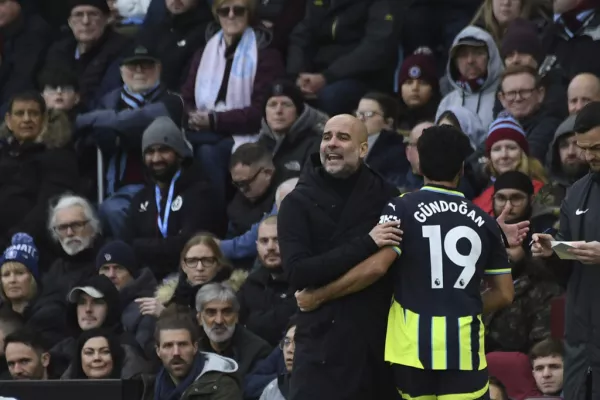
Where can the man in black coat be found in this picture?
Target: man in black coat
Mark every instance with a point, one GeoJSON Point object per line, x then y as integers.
{"type": "Point", "coordinates": [325, 228]}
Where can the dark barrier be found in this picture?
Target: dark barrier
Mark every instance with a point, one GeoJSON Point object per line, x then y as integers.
{"type": "Point", "coordinates": [72, 390]}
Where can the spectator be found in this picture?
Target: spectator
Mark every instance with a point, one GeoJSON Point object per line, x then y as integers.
{"type": "Point", "coordinates": [278, 389]}
{"type": "Point", "coordinates": [179, 195]}
{"type": "Point", "coordinates": [25, 40]}
{"type": "Point", "coordinates": [281, 17]}
{"type": "Point", "coordinates": [35, 165]}
{"type": "Point", "coordinates": [290, 128]}
{"type": "Point", "coordinates": [98, 356]}
{"type": "Point", "coordinates": [20, 291]}
{"type": "Point", "coordinates": [474, 71]}
{"type": "Point", "coordinates": [380, 112]}
{"type": "Point", "coordinates": [522, 95]}
{"type": "Point", "coordinates": [186, 371]}
{"type": "Point", "coordinates": [583, 89]}
{"type": "Point", "coordinates": [507, 149]}
{"type": "Point", "coordinates": [117, 125]}
{"type": "Point", "coordinates": [60, 90]}
{"type": "Point", "coordinates": [547, 364]}
{"type": "Point", "coordinates": [419, 89]}
{"type": "Point", "coordinates": [224, 101]}
{"type": "Point", "coordinates": [218, 314]}
{"type": "Point", "coordinates": [264, 372]}
{"type": "Point", "coordinates": [497, 390]}
{"type": "Point", "coordinates": [336, 54]}
{"type": "Point", "coordinates": [93, 51]}
{"type": "Point", "coordinates": [27, 357]}
{"type": "Point", "coordinates": [176, 37]}
{"type": "Point", "coordinates": [466, 121]}
{"type": "Point", "coordinates": [527, 320]}
{"type": "Point", "coordinates": [514, 371]}
{"type": "Point", "coordinates": [266, 301]}
{"type": "Point", "coordinates": [10, 322]}
{"type": "Point", "coordinates": [116, 260]}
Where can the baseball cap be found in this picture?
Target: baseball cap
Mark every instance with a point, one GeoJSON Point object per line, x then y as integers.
{"type": "Point", "coordinates": [140, 54]}
{"type": "Point", "coordinates": [90, 291]}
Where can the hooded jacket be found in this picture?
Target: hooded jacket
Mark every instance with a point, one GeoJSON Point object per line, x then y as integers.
{"type": "Point", "coordinates": [553, 163]}
{"type": "Point", "coordinates": [481, 102]}
{"type": "Point", "coordinates": [470, 124]}
{"type": "Point", "coordinates": [140, 326]}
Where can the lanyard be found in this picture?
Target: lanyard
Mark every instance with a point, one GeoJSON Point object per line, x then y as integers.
{"type": "Point", "coordinates": [164, 223]}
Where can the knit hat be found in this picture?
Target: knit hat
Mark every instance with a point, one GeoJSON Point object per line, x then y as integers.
{"type": "Point", "coordinates": [588, 117]}
{"type": "Point", "coordinates": [287, 89]}
{"type": "Point", "coordinates": [505, 127]}
{"type": "Point", "coordinates": [101, 5]}
{"type": "Point", "coordinates": [521, 37]}
{"type": "Point", "coordinates": [514, 180]}
{"type": "Point", "coordinates": [22, 250]}
{"type": "Point", "coordinates": [119, 253]}
{"type": "Point", "coordinates": [163, 131]}
{"type": "Point", "coordinates": [419, 66]}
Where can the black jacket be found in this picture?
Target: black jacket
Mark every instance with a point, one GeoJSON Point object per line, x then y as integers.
{"type": "Point", "coordinates": [388, 158]}
{"type": "Point", "coordinates": [193, 210]}
{"type": "Point", "coordinates": [323, 233]}
{"type": "Point", "coordinates": [266, 305]}
{"type": "Point", "coordinates": [345, 39]}
{"type": "Point", "coordinates": [539, 129]}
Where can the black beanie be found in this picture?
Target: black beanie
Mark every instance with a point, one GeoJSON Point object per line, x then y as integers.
{"type": "Point", "coordinates": [119, 253]}
{"type": "Point", "coordinates": [101, 5]}
{"type": "Point", "coordinates": [288, 89]}
{"type": "Point", "coordinates": [514, 180]}
{"type": "Point", "coordinates": [521, 37]}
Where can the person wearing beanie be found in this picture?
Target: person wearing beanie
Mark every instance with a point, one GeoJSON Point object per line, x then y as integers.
{"type": "Point", "coordinates": [177, 203]}
{"type": "Point", "coordinates": [419, 90]}
{"type": "Point", "coordinates": [516, 188]}
{"type": "Point", "coordinates": [291, 129]}
{"type": "Point", "coordinates": [117, 261]}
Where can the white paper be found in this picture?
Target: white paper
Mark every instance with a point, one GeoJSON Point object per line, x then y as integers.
{"type": "Point", "coordinates": [561, 249]}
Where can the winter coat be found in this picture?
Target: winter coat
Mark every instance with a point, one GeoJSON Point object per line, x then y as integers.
{"type": "Point", "coordinates": [263, 373]}
{"type": "Point", "coordinates": [193, 210]}
{"type": "Point", "coordinates": [277, 389]}
{"type": "Point", "coordinates": [243, 120]}
{"type": "Point", "coordinates": [470, 124]}
{"type": "Point", "coordinates": [539, 130]}
{"type": "Point", "coordinates": [291, 150]}
{"type": "Point", "coordinates": [266, 305]}
{"type": "Point", "coordinates": [285, 15]}
{"type": "Point", "coordinates": [387, 157]}
{"type": "Point", "coordinates": [348, 39]}
{"type": "Point", "coordinates": [138, 325]}
{"type": "Point", "coordinates": [481, 102]}
{"type": "Point", "coordinates": [31, 174]}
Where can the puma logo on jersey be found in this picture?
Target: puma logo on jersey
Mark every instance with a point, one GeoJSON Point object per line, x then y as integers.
{"type": "Point", "coordinates": [144, 206]}
{"type": "Point", "coordinates": [392, 205]}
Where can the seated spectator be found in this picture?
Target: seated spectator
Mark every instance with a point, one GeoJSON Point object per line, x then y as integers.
{"type": "Point", "coordinates": [547, 364]}
{"type": "Point", "coordinates": [514, 371]}
{"type": "Point", "coordinates": [95, 304]}
{"type": "Point", "coordinates": [26, 38]}
{"type": "Point", "coordinates": [527, 320]}
{"type": "Point", "coordinates": [11, 322]}
{"type": "Point", "coordinates": [474, 70]}
{"type": "Point", "coordinates": [583, 89]}
{"type": "Point", "coordinates": [419, 90]}
{"type": "Point", "coordinates": [507, 149]}
{"type": "Point", "coordinates": [117, 261]}
{"type": "Point", "coordinates": [187, 372]}
{"type": "Point", "coordinates": [176, 37]}
{"type": "Point", "coordinates": [20, 291]}
{"type": "Point", "coordinates": [93, 51]}
{"type": "Point", "coordinates": [279, 387]}
{"type": "Point", "coordinates": [336, 54]}
{"type": "Point", "coordinates": [179, 195]}
{"type": "Point", "coordinates": [465, 120]}
{"type": "Point", "coordinates": [224, 101]}
{"type": "Point", "coordinates": [522, 95]}
{"type": "Point", "coordinates": [98, 356]}
{"type": "Point", "coordinates": [27, 357]}
{"type": "Point", "coordinates": [60, 89]}
{"type": "Point", "coordinates": [291, 129]}
{"type": "Point", "coordinates": [264, 372]}
{"type": "Point", "coordinates": [266, 300]}
{"type": "Point", "coordinates": [117, 125]}
{"type": "Point", "coordinates": [497, 390]}
{"type": "Point", "coordinates": [379, 112]}
{"type": "Point", "coordinates": [36, 165]}
{"type": "Point", "coordinates": [218, 314]}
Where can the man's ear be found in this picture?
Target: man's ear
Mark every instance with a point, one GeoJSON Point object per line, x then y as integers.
{"type": "Point", "coordinates": [45, 359]}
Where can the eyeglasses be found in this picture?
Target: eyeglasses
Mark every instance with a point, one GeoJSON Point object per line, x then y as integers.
{"type": "Point", "coordinates": [286, 343]}
{"type": "Point", "coordinates": [366, 114]}
{"type": "Point", "coordinates": [76, 227]}
{"type": "Point", "coordinates": [523, 93]}
{"type": "Point", "coordinates": [207, 262]}
{"type": "Point", "coordinates": [238, 11]}
{"type": "Point", "coordinates": [515, 199]}
{"type": "Point", "coordinates": [59, 89]}
{"type": "Point", "coordinates": [93, 16]}
{"type": "Point", "coordinates": [244, 185]}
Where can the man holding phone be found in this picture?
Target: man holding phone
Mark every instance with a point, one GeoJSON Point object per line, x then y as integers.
{"type": "Point", "coordinates": [579, 218]}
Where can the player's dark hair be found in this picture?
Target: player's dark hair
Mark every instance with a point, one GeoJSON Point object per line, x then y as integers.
{"type": "Point", "coordinates": [546, 348]}
{"type": "Point", "coordinates": [442, 151]}
{"type": "Point", "coordinates": [495, 382]}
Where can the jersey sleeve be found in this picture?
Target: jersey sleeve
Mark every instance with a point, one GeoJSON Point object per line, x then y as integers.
{"type": "Point", "coordinates": [498, 261]}
{"type": "Point", "coordinates": [393, 211]}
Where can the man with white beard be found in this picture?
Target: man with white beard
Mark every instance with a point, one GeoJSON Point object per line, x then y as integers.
{"type": "Point", "coordinates": [218, 310]}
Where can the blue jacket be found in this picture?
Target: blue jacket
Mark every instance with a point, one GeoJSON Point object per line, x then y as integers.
{"type": "Point", "coordinates": [265, 371]}
{"type": "Point", "coordinates": [244, 245]}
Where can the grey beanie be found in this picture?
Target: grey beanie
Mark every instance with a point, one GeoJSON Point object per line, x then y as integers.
{"type": "Point", "coordinates": [165, 132]}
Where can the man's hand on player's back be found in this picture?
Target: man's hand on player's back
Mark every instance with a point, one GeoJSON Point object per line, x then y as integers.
{"type": "Point", "coordinates": [387, 234]}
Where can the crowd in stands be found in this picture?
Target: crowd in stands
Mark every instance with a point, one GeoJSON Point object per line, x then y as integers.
{"type": "Point", "coordinates": [147, 146]}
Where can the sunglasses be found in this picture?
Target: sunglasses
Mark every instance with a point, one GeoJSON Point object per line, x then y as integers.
{"type": "Point", "coordinates": [238, 11]}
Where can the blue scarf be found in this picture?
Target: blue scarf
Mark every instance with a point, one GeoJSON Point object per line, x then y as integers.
{"type": "Point", "coordinates": [165, 389]}
{"type": "Point", "coordinates": [138, 100]}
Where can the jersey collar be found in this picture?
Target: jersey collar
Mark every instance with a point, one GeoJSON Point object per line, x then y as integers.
{"type": "Point", "coordinates": [442, 189]}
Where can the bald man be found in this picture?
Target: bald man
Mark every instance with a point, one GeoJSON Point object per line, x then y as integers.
{"type": "Point", "coordinates": [583, 89]}
{"type": "Point", "coordinates": [325, 228]}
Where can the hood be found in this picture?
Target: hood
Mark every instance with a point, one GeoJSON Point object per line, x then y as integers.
{"type": "Point", "coordinates": [216, 363]}
{"type": "Point", "coordinates": [143, 285]}
{"type": "Point", "coordinates": [311, 121]}
{"type": "Point", "coordinates": [553, 161]}
{"type": "Point", "coordinates": [56, 134]}
{"type": "Point", "coordinates": [494, 66]}
{"type": "Point", "coordinates": [263, 35]}
{"type": "Point", "coordinates": [470, 124]}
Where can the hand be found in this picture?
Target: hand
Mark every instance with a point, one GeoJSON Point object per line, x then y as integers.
{"type": "Point", "coordinates": [303, 82]}
{"type": "Point", "coordinates": [515, 233]}
{"type": "Point", "coordinates": [198, 120]}
{"type": "Point", "coordinates": [311, 84]}
{"type": "Point", "coordinates": [587, 253]}
{"type": "Point", "coordinates": [387, 234]}
{"type": "Point", "coordinates": [541, 246]}
{"type": "Point", "coordinates": [150, 306]}
{"type": "Point", "coordinates": [307, 301]}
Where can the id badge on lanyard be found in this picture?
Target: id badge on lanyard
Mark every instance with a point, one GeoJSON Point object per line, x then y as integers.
{"type": "Point", "coordinates": [163, 223]}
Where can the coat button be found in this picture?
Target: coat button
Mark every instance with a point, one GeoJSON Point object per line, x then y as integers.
{"type": "Point", "coordinates": [333, 321]}
{"type": "Point", "coordinates": [215, 387]}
